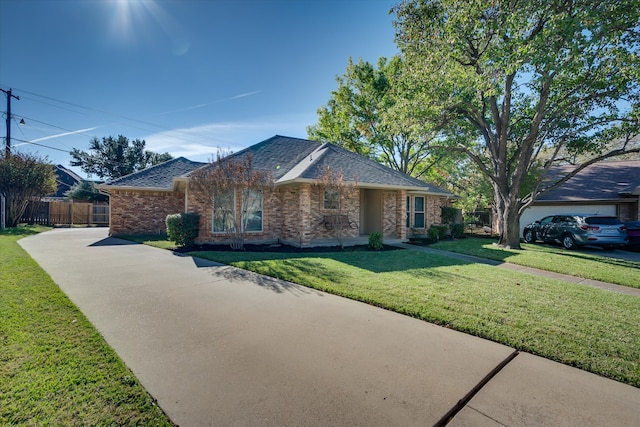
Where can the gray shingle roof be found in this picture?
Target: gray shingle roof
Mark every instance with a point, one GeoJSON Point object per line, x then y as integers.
{"type": "Point", "coordinates": [157, 176]}
{"type": "Point", "coordinates": [600, 181]}
{"type": "Point", "coordinates": [289, 159]}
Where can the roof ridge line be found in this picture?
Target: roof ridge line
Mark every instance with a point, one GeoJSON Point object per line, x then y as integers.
{"type": "Point", "coordinates": [304, 164]}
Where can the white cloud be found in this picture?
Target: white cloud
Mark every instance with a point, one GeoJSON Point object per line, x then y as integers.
{"type": "Point", "coordinates": [202, 142]}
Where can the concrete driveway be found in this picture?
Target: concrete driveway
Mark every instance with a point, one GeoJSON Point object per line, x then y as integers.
{"type": "Point", "coordinates": [219, 346]}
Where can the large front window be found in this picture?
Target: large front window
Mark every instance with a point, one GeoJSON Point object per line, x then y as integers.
{"type": "Point", "coordinates": [224, 212]}
{"type": "Point", "coordinates": [418, 212]}
{"type": "Point", "coordinates": [252, 214]}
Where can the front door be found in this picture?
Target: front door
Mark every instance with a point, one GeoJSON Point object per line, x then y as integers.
{"type": "Point", "coordinates": [370, 211]}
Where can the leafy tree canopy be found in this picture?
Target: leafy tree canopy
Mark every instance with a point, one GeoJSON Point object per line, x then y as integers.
{"type": "Point", "coordinates": [531, 83]}
{"type": "Point", "coordinates": [112, 158]}
{"type": "Point", "coordinates": [24, 177]}
{"type": "Point", "coordinates": [373, 113]}
{"type": "Point", "coordinates": [86, 190]}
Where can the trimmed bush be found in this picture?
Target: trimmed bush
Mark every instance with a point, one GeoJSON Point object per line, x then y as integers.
{"type": "Point", "coordinates": [437, 232]}
{"type": "Point", "coordinates": [457, 230]}
{"type": "Point", "coordinates": [449, 214]}
{"type": "Point", "coordinates": [375, 241]}
{"type": "Point", "coordinates": [182, 228]}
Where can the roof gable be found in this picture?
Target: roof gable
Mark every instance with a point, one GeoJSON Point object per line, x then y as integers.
{"type": "Point", "coordinates": [158, 176]}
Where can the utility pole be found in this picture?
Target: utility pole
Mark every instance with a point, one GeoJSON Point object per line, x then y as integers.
{"type": "Point", "coordinates": [8, 139]}
{"type": "Point", "coordinates": [3, 207]}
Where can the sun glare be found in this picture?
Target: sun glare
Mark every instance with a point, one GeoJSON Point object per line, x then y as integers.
{"type": "Point", "coordinates": [132, 23]}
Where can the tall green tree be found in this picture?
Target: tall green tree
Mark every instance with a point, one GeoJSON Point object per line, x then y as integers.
{"type": "Point", "coordinates": [86, 191]}
{"type": "Point", "coordinates": [528, 77]}
{"type": "Point", "coordinates": [112, 158]}
{"type": "Point", "coordinates": [24, 178]}
{"type": "Point", "coordinates": [373, 113]}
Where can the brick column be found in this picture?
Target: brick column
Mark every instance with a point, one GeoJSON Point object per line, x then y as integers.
{"type": "Point", "coordinates": [401, 215]}
{"type": "Point", "coordinates": [305, 214]}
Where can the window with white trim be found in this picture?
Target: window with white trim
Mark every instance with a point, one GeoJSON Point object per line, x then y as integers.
{"type": "Point", "coordinates": [331, 199]}
{"type": "Point", "coordinates": [224, 218]}
{"type": "Point", "coordinates": [253, 210]}
{"type": "Point", "coordinates": [418, 212]}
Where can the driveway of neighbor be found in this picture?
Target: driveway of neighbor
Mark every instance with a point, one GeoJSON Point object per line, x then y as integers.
{"type": "Point", "coordinates": [217, 345]}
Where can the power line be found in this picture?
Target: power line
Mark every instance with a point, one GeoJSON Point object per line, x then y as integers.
{"type": "Point", "coordinates": [153, 125]}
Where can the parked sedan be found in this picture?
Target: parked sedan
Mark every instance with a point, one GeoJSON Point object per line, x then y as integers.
{"type": "Point", "coordinates": [572, 230]}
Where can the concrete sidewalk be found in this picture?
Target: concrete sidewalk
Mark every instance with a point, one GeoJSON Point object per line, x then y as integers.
{"type": "Point", "coordinates": [220, 346]}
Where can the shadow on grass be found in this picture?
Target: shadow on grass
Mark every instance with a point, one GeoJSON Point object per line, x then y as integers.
{"type": "Point", "coordinates": [587, 254]}
{"type": "Point", "coordinates": [23, 230]}
{"type": "Point", "coordinates": [274, 284]}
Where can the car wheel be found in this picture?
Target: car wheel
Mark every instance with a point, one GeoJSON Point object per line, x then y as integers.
{"type": "Point", "coordinates": [529, 236]}
{"type": "Point", "coordinates": [568, 241]}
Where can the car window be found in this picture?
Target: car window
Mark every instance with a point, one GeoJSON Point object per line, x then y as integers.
{"type": "Point", "coordinates": [602, 220]}
{"type": "Point", "coordinates": [570, 220]}
{"type": "Point", "coordinates": [546, 220]}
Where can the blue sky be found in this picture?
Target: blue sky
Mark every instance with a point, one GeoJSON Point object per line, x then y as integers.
{"type": "Point", "coordinates": [187, 76]}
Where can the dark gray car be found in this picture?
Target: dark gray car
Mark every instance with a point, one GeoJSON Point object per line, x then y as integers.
{"type": "Point", "coordinates": [578, 229]}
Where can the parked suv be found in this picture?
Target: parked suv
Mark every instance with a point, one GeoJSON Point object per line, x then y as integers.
{"type": "Point", "coordinates": [576, 229]}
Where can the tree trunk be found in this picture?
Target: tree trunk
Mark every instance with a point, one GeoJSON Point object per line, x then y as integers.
{"type": "Point", "coordinates": [508, 224]}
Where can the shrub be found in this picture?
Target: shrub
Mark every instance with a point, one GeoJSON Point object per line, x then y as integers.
{"type": "Point", "coordinates": [437, 232]}
{"type": "Point", "coordinates": [449, 214]}
{"type": "Point", "coordinates": [457, 230]}
{"type": "Point", "coordinates": [375, 241]}
{"type": "Point", "coordinates": [183, 228]}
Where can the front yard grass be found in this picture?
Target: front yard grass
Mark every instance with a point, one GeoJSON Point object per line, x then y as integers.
{"type": "Point", "coordinates": [55, 368]}
{"type": "Point", "coordinates": [592, 329]}
{"type": "Point", "coordinates": [588, 265]}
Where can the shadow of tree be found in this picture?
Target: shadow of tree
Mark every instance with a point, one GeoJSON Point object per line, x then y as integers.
{"type": "Point", "coordinates": [113, 241]}
{"type": "Point", "coordinates": [269, 282]}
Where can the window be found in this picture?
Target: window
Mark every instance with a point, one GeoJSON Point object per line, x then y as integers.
{"type": "Point", "coordinates": [253, 210]}
{"type": "Point", "coordinates": [418, 212]}
{"type": "Point", "coordinates": [224, 212]}
{"type": "Point", "coordinates": [331, 199]}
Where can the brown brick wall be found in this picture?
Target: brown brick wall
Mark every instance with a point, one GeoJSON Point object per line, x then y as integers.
{"type": "Point", "coordinates": [433, 212]}
{"type": "Point", "coordinates": [205, 208]}
{"type": "Point", "coordinates": [628, 211]}
{"type": "Point", "coordinates": [350, 207]}
{"type": "Point", "coordinates": [142, 212]}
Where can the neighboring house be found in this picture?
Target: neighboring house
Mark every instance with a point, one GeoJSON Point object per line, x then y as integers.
{"type": "Point", "coordinates": [605, 188]}
{"type": "Point", "coordinates": [65, 179]}
{"type": "Point", "coordinates": [388, 201]}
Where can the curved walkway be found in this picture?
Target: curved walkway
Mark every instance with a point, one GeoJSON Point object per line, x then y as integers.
{"type": "Point", "coordinates": [529, 270]}
{"type": "Point", "coordinates": [216, 345]}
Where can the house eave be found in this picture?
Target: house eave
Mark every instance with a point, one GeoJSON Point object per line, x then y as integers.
{"type": "Point", "coordinates": [584, 201]}
{"type": "Point", "coordinates": [409, 189]}
{"type": "Point", "coordinates": [108, 188]}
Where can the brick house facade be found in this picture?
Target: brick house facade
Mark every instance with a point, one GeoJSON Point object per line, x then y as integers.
{"type": "Point", "coordinates": [294, 212]}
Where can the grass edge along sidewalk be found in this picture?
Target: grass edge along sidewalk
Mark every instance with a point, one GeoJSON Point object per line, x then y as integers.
{"type": "Point", "coordinates": [585, 264]}
{"type": "Point", "coordinates": [587, 328]}
{"type": "Point", "coordinates": [55, 368]}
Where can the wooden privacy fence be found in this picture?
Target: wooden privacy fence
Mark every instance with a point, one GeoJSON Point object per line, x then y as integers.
{"type": "Point", "coordinates": [66, 212]}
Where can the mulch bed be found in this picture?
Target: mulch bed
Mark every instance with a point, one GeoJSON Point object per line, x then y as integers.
{"type": "Point", "coordinates": [284, 248]}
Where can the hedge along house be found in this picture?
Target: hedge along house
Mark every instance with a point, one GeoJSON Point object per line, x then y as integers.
{"type": "Point", "coordinates": [294, 211]}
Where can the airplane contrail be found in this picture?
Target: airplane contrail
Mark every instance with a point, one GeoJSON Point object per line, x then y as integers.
{"type": "Point", "coordinates": [64, 134]}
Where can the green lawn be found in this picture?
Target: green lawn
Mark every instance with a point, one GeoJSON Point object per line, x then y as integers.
{"type": "Point", "coordinates": [55, 368]}
{"type": "Point", "coordinates": [583, 263]}
{"type": "Point", "coordinates": [589, 328]}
